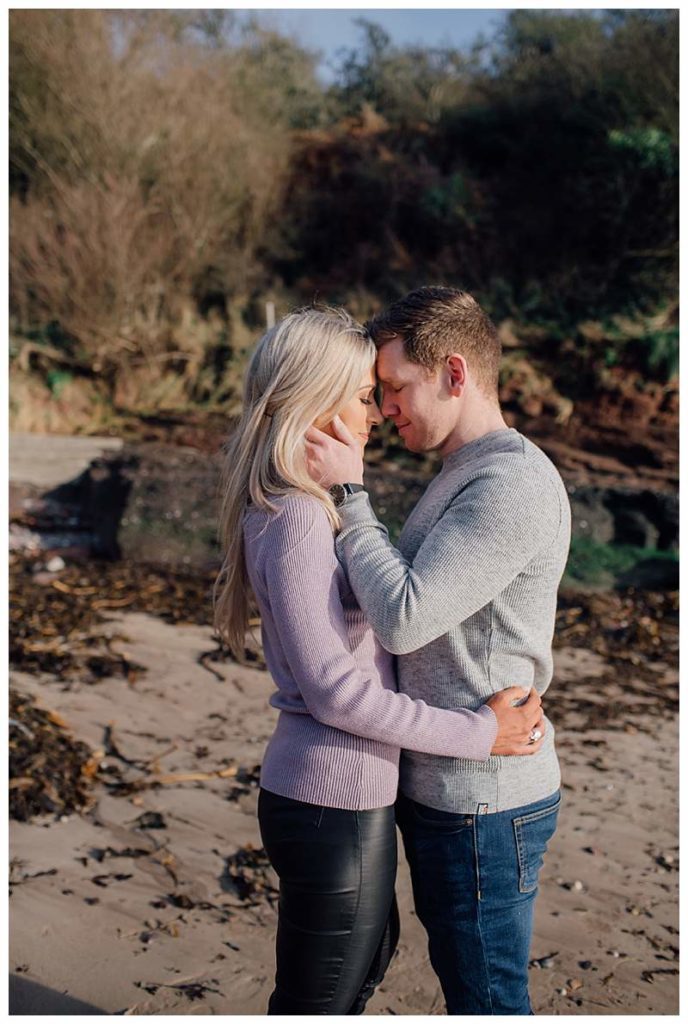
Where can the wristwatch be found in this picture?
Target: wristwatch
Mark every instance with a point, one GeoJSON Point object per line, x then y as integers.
{"type": "Point", "coordinates": [340, 492]}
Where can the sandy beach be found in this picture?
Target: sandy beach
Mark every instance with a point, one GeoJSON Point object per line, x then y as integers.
{"type": "Point", "coordinates": [136, 907]}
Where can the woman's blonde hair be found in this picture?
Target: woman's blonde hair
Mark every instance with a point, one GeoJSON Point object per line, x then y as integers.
{"type": "Point", "coordinates": [303, 371]}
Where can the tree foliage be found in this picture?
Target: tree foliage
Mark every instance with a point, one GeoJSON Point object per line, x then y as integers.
{"type": "Point", "coordinates": [540, 171]}
{"type": "Point", "coordinates": [164, 164]}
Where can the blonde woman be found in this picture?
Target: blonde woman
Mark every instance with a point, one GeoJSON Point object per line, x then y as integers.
{"type": "Point", "coordinates": [330, 771]}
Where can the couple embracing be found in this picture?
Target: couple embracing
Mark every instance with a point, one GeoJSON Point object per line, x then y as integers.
{"type": "Point", "coordinates": [408, 679]}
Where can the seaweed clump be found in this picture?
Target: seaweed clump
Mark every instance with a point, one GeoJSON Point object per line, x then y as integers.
{"type": "Point", "coordinates": [50, 772]}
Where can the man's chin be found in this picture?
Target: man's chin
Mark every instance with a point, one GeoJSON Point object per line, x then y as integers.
{"type": "Point", "coordinates": [417, 447]}
{"type": "Point", "coordinates": [410, 446]}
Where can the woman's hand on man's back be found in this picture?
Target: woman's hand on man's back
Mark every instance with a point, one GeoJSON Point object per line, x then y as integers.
{"type": "Point", "coordinates": [516, 722]}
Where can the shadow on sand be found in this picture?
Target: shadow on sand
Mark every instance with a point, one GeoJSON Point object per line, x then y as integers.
{"type": "Point", "coordinates": [29, 998]}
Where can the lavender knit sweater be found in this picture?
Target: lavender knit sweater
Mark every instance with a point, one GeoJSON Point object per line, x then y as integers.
{"type": "Point", "coordinates": [341, 722]}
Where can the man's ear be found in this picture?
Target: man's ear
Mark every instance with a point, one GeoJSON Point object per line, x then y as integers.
{"type": "Point", "coordinates": [457, 369]}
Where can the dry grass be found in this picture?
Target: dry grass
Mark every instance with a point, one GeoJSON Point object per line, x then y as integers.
{"type": "Point", "coordinates": [79, 407]}
{"type": "Point", "coordinates": [150, 177]}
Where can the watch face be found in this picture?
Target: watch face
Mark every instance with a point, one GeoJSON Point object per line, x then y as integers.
{"type": "Point", "coordinates": [338, 494]}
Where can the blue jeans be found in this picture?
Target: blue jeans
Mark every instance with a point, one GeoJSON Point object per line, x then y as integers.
{"type": "Point", "coordinates": [474, 881]}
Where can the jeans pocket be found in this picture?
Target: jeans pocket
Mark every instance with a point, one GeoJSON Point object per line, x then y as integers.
{"type": "Point", "coordinates": [532, 833]}
{"type": "Point", "coordinates": [446, 822]}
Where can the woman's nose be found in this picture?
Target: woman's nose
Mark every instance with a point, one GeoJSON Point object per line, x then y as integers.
{"type": "Point", "coordinates": [374, 414]}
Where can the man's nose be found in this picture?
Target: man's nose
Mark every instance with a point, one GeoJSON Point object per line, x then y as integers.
{"type": "Point", "coordinates": [388, 406]}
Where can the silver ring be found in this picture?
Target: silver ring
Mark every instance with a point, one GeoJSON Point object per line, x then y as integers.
{"type": "Point", "coordinates": [535, 736]}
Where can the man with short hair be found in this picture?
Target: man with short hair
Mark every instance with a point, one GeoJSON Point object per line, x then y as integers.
{"type": "Point", "coordinates": [467, 601]}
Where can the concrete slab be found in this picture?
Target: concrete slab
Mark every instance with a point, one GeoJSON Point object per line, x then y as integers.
{"type": "Point", "coordinates": [46, 460]}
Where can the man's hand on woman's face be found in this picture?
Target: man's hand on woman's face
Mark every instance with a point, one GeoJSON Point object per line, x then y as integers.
{"type": "Point", "coordinates": [332, 461]}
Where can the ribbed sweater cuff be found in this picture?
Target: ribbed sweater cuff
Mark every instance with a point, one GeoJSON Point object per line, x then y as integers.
{"type": "Point", "coordinates": [356, 509]}
{"type": "Point", "coordinates": [488, 714]}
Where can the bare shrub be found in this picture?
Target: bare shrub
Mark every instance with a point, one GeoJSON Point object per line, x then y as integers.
{"type": "Point", "coordinates": [100, 260]}
{"type": "Point", "coordinates": [147, 167]}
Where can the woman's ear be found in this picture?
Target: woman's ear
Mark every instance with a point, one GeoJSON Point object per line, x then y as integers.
{"type": "Point", "coordinates": [325, 426]}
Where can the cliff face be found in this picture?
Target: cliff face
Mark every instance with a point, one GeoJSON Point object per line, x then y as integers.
{"type": "Point", "coordinates": [622, 476]}
{"type": "Point", "coordinates": [155, 500]}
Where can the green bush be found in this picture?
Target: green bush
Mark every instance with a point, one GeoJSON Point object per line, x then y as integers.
{"type": "Point", "coordinates": [591, 562]}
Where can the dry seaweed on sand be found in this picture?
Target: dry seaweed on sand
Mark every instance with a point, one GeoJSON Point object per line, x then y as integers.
{"type": "Point", "coordinates": [58, 628]}
{"type": "Point", "coordinates": [17, 875]}
{"type": "Point", "coordinates": [50, 772]}
{"type": "Point", "coordinates": [249, 873]}
{"type": "Point", "coordinates": [146, 774]}
{"type": "Point", "coordinates": [58, 622]}
{"type": "Point", "coordinates": [98, 586]}
{"type": "Point", "coordinates": [623, 626]}
{"type": "Point", "coordinates": [636, 635]}
{"type": "Point", "coordinates": [191, 989]}
{"type": "Point", "coordinates": [253, 658]}
{"type": "Point", "coordinates": [247, 780]}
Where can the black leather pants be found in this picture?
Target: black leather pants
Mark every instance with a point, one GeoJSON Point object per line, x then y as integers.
{"type": "Point", "coordinates": [338, 922]}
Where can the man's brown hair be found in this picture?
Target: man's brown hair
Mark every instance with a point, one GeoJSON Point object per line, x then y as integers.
{"type": "Point", "coordinates": [433, 322]}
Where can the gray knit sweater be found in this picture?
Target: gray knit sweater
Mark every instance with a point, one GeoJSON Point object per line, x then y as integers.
{"type": "Point", "coordinates": [468, 604]}
{"type": "Point", "coordinates": [341, 720]}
